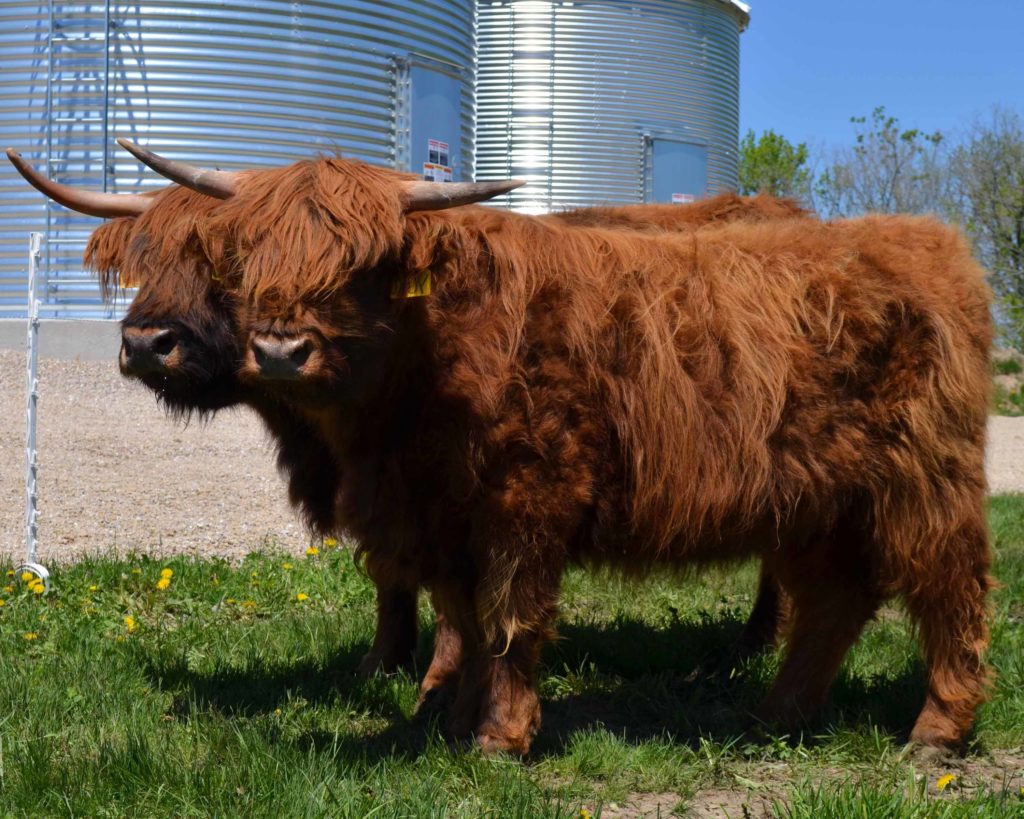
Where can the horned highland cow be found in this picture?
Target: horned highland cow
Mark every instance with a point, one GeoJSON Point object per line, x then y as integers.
{"type": "Point", "coordinates": [812, 394]}
{"type": "Point", "coordinates": [179, 340]}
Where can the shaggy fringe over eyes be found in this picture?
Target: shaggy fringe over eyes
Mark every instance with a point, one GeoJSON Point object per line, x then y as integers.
{"type": "Point", "coordinates": [159, 247]}
{"type": "Point", "coordinates": [303, 229]}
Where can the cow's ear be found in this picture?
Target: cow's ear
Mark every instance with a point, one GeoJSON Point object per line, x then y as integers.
{"type": "Point", "coordinates": [418, 195]}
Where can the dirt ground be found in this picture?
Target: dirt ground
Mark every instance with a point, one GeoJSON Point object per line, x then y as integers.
{"type": "Point", "coordinates": [115, 473]}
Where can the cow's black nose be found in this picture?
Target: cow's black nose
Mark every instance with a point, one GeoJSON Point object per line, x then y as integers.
{"type": "Point", "coordinates": [146, 350]}
{"type": "Point", "coordinates": [280, 358]}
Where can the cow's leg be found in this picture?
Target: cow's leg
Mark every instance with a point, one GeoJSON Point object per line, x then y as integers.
{"type": "Point", "coordinates": [947, 604]}
{"type": "Point", "coordinates": [442, 677]}
{"type": "Point", "coordinates": [394, 644]}
{"type": "Point", "coordinates": [767, 619]}
{"type": "Point", "coordinates": [834, 595]}
{"type": "Point", "coordinates": [503, 618]}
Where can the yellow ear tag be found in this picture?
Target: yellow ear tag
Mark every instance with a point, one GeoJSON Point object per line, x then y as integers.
{"type": "Point", "coordinates": [417, 285]}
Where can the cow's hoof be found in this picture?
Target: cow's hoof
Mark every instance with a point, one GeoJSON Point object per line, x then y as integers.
{"type": "Point", "coordinates": [435, 699]}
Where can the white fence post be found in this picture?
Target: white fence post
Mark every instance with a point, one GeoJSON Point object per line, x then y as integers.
{"type": "Point", "coordinates": [31, 405]}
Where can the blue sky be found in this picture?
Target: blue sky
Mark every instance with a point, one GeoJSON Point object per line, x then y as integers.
{"type": "Point", "coordinates": [807, 67]}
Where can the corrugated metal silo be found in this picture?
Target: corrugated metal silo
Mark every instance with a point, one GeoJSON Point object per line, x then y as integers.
{"type": "Point", "coordinates": [238, 83]}
{"type": "Point", "coordinates": [601, 101]}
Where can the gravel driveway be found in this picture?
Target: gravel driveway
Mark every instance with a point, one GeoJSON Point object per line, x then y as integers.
{"type": "Point", "coordinates": [115, 473]}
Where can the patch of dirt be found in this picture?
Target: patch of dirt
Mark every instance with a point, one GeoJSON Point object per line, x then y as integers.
{"type": "Point", "coordinates": [116, 473]}
{"type": "Point", "coordinates": [759, 786]}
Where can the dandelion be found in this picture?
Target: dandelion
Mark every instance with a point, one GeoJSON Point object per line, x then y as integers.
{"type": "Point", "coordinates": [330, 543]}
{"type": "Point", "coordinates": [167, 573]}
{"type": "Point", "coordinates": [136, 571]}
{"type": "Point", "coordinates": [312, 551]}
{"type": "Point", "coordinates": [94, 588]}
{"type": "Point", "coordinates": [944, 782]}
{"type": "Point", "coordinates": [3, 603]}
{"type": "Point", "coordinates": [10, 572]}
{"type": "Point", "coordinates": [129, 623]}
{"type": "Point", "coordinates": [286, 566]}
{"type": "Point", "coordinates": [301, 597]}
{"type": "Point", "coordinates": [8, 589]}
{"type": "Point", "coordinates": [277, 712]}
{"type": "Point", "coordinates": [231, 601]}
{"type": "Point", "coordinates": [37, 588]}
{"type": "Point", "coordinates": [249, 604]}
{"type": "Point", "coordinates": [584, 813]}
{"type": "Point", "coordinates": [31, 635]}
{"type": "Point", "coordinates": [27, 577]}
{"type": "Point", "coordinates": [163, 583]}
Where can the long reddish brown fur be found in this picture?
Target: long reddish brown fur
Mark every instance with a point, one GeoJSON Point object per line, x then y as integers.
{"type": "Point", "coordinates": [815, 394]}
{"type": "Point", "coordinates": [157, 253]}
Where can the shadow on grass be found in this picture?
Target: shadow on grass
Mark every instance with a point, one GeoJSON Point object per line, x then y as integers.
{"type": "Point", "coordinates": [675, 683]}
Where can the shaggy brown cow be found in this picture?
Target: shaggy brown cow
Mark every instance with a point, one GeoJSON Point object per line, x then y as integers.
{"type": "Point", "coordinates": [811, 394]}
{"type": "Point", "coordinates": [179, 339]}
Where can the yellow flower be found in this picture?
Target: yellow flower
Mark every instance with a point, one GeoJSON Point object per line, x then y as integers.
{"type": "Point", "coordinates": [944, 782]}
{"type": "Point", "coordinates": [94, 588]}
{"type": "Point", "coordinates": [286, 566]}
{"type": "Point", "coordinates": [330, 543]}
{"type": "Point", "coordinates": [10, 572]}
{"type": "Point", "coordinates": [312, 551]}
{"type": "Point", "coordinates": [37, 588]}
{"type": "Point", "coordinates": [136, 571]}
{"type": "Point", "coordinates": [3, 602]}
{"type": "Point", "coordinates": [231, 601]}
{"type": "Point", "coordinates": [277, 712]}
{"type": "Point", "coordinates": [8, 589]}
{"type": "Point", "coordinates": [301, 596]}
{"type": "Point", "coordinates": [168, 573]}
{"type": "Point", "coordinates": [129, 623]}
{"type": "Point", "coordinates": [31, 635]}
{"type": "Point", "coordinates": [27, 577]}
{"type": "Point", "coordinates": [249, 604]}
{"type": "Point", "coordinates": [584, 813]}
{"type": "Point", "coordinates": [163, 583]}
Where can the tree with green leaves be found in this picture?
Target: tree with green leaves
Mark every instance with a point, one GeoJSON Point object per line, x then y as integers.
{"type": "Point", "coordinates": [987, 197]}
{"type": "Point", "coordinates": [772, 164]}
{"type": "Point", "coordinates": [888, 169]}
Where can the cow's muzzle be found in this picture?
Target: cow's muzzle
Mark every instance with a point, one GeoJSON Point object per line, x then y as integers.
{"type": "Point", "coordinates": [145, 351]}
{"type": "Point", "coordinates": [280, 359]}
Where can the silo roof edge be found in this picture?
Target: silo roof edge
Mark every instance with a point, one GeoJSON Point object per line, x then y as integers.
{"type": "Point", "coordinates": [743, 8]}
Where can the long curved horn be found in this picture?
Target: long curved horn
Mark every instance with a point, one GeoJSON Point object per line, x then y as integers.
{"type": "Point", "coordinates": [219, 184]}
{"type": "Point", "coordinates": [93, 203]}
{"type": "Point", "coordinates": [441, 195]}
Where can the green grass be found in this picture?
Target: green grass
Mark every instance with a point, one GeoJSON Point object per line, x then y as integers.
{"type": "Point", "coordinates": [230, 696]}
{"type": "Point", "coordinates": [1006, 366]}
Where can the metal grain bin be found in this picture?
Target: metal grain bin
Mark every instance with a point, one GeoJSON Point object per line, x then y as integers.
{"type": "Point", "coordinates": [604, 101]}
{"type": "Point", "coordinates": [238, 83]}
